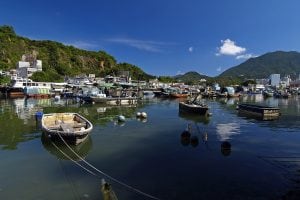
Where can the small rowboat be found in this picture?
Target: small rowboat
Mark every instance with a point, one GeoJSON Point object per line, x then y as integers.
{"type": "Point", "coordinates": [72, 127]}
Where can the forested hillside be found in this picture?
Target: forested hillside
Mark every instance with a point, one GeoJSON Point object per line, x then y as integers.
{"type": "Point", "coordinates": [59, 60]}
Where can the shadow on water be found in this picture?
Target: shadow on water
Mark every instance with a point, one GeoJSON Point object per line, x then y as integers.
{"type": "Point", "coordinates": [186, 139]}
{"type": "Point", "coordinates": [225, 148]}
{"type": "Point", "coordinates": [59, 148]}
{"type": "Point", "coordinates": [195, 118]}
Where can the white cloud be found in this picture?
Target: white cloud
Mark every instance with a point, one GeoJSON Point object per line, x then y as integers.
{"type": "Point", "coordinates": [229, 47]}
{"type": "Point", "coordinates": [191, 49]}
{"type": "Point", "coordinates": [145, 45]}
{"type": "Point", "coordinates": [219, 69]}
{"type": "Point", "coordinates": [82, 45]}
{"type": "Point", "coordinates": [245, 56]}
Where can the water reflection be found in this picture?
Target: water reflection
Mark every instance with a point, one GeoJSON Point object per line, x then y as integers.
{"type": "Point", "coordinates": [60, 150]}
{"type": "Point", "coordinates": [13, 129]}
{"type": "Point", "coordinates": [226, 131]}
{"type": "Point", "coordinates": [195, 118]}
{"type": "Point", "coordinates": [188, 137]}
{"type": "Point", "coordinates": [25, 108]}
{"type": "Point", "coordinates": [252, 98]}
{"type": "Point", "coordinates": [257, 117]}
{"type": "Point", "coordinates": [225, 148]}
{"type": "Point", "coordinates": [194, 141]}
{"type": "Point", "coordinates": [289, 109]}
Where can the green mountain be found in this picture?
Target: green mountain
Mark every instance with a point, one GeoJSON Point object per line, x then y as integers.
{"type": "Point", "coordinates": [279, 62]}
{"type": "Point", "coordinates": [190, 77]}
{"type": "Point", "coordinates": [59, 60]}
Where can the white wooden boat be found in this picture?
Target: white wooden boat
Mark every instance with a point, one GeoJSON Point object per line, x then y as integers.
{"type": "Point", "coordinates": [72, 127]}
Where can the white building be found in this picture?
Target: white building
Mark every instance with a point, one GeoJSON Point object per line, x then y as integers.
{"type": "Point", "coordinates": [26, 69]}
{"type": "Point", "coordinates": [275, 80]}
{"type": "Point", "coordinates": [285, 82]}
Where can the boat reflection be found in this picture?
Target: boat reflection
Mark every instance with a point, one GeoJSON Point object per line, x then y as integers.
{"type": "Point", "coordinates": [25, 108]}
{"type": "Point", "coordinates": [225, 148]}
{"type": "Point", "coordinates": [256, 117]}
{"type": "Point", "coordinates": [60, 150]}
{"type": "Point", "coordinates": [195, 118]}
{"type": "Point", "coordinates": [187, 138]}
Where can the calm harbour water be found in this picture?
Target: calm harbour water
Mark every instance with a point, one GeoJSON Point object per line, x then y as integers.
{"type": "Point", "coordinates": [263, 163]}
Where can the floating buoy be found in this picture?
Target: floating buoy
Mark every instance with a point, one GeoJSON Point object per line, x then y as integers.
{"type": "Point", "coordinates": [144, 115]}
{"type": "Point", "coordinates": [56, 97]}
{"type": "Point", "coordinates": [121, 118]}
{"type": "Point", "coordinates": [138, 114]}
{"type": "Point", "coordinates": [39, 115]}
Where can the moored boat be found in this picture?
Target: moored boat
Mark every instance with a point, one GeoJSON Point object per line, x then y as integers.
{"type": "Point", "coordinates": [72, 127]}
{"type": "Point", "coordinates": [147, 94]}
{"type": "Point", "coordinates": [265, 112]}
{"type": "Point", "coordinates": [179, 95]}
{"type": "Point", "coordinates": [115, 100]}
{"type": "Point", "coordinates": [193, 108]}
{"type": "Point", "coordinates": [268, 93]}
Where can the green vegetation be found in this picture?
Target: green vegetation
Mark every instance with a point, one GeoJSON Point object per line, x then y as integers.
{"type": "Point", "coordinates": [59, 60]}
{"type": "Point", "coordinates": [279, 62]}
{"type": "Point", "coordinates": [248, 82]}
{"type": "Point", "coordinates": [166, 79]}
{"type": "Point", "coordinates": [4, 80]}
{"type": "Point", "coordinates": [190, 78]}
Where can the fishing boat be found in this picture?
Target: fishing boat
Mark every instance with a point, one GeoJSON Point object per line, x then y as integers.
{"type": "Point", "coordinates": [148, 94]}
{"type": "Point", "coordinates": [72, 127]}
{"type": "Point", "coordinates": [192, 107]}
{"type": "Point", "coordinates": [268, 93]}
{"type": "Point", "coordinates": [178, 93]}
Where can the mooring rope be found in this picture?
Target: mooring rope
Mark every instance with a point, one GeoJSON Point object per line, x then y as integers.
{"type": "Point", "coordinates": [89, 171]}
{"type": "Point", "coordinates": [73, 188]}
{"type": "Point", "coordinates": [103, 173]}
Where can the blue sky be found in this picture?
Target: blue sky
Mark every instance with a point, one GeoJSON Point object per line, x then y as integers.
{"type": "Point", "coordinates": [163, 37]}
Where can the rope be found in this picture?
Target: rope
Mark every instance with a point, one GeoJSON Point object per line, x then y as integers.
{"type": "Point", "coordinates": [89, 171]}
{"type": "Point", "coordinates": [103, 173]}
{"type": "Point", "coordinates": [73, 188]}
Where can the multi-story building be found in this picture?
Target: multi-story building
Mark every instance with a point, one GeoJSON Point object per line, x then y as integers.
{"type": "Point", "coordinates": [28, 66]}
{"type": "Point", "coordinates": [275, 80]}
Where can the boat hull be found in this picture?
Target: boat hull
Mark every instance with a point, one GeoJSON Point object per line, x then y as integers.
{"type": "Point", "coordinates": [193, 108]}
{"type": "Point", "coordinates": [261, 112]}
{"type": "Point", "coordinates": [175, 95]}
